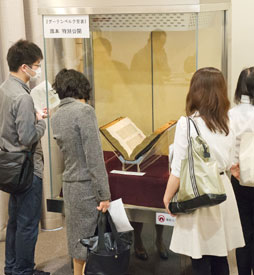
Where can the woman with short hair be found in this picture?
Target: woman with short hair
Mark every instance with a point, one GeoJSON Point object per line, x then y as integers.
{"type": "Point", "coordinates": [85, 180]}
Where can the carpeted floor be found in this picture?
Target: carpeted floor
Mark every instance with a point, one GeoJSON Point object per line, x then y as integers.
{"type": "Point", "coordinates": [52, 256]}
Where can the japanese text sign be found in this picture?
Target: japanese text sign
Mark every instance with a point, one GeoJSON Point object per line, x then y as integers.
{"type": "Point", "coordinates": [164, 219]}
{"type": "Point", "coordinates": [66, 26]}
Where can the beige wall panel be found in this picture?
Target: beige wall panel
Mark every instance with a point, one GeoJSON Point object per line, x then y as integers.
{"type": "Point", "coordinates": [241, 40]}
{"type": "Point", "coordinates": [12, 18]}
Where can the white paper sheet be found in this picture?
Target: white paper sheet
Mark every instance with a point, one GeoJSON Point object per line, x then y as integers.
{"type": "Point", "coordinates": [119, 217]}
{"type": "Point", "coordinates": [38, 94]}
{"type": "Point", "coordinates": [131, 173]}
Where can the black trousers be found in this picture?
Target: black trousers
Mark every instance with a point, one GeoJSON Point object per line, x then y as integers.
{"type": "Point", "coordinates": [245, 201]}
{"type": "Point", "coordinates": [210, 265]}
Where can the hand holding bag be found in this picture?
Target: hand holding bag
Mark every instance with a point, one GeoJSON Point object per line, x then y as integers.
{"type": "Point", "coordinates": [200, 181]}
{"type": "Point", "coordinates": [109, 251]}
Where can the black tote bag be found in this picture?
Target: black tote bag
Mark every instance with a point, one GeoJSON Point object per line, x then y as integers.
{"type": "Point", "coordinates": [109, 251]}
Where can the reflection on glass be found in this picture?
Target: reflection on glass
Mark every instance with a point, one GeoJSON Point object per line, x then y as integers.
{"type": "Point", "coordinates": [146, 80]}
{"type": "Point", "coordinates": [151, 57]}
{"type": "Point", "coordinates": [210, 34]}
{"type": "Point", "coordinates": [119, 92]}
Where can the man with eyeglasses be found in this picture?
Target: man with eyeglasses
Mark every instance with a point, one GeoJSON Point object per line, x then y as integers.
{"type": "Point", "coordinates": [21, 128]}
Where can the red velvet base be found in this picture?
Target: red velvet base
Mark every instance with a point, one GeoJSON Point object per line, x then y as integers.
{"type": "Point", "coordinates": [147, 190]}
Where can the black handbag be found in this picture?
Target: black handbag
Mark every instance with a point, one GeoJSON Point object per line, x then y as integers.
{"type": "Point", "coordinates": [109, 251]}
{"type": "Point", "coordinates": [16, 171]}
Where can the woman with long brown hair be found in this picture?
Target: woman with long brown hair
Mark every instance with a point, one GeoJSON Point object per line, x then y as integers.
{"type": "Point", "coordinates": [208, 233]}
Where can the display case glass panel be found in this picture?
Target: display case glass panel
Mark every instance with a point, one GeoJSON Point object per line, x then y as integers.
{"type": "Point", "coordinates": [211, 42]}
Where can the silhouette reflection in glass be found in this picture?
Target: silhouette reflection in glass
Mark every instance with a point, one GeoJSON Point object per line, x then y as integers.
{"type": "Point", "coordinates": [151, 60]}
{"type": "Point", "coordinates": [108, 73]}
{"type": "Point", "coordinates": [189, 66]}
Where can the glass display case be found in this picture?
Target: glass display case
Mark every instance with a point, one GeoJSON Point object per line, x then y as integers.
{"type": "Point", "coordinates": [139, 57]}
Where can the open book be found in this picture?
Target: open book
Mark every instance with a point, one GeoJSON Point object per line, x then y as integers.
{"type": "Point", "coordinates": [128, 139]}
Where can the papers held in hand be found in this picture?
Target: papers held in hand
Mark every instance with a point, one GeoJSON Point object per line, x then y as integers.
{"type": "Point", "coordinates": [39, 96]}
{"type": "Point", "coordinates": [119, 217]}
{"type": "Point", "coordinates": [128, 139]}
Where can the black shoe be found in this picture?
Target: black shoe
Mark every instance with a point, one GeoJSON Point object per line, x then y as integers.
{"type": "Point", "coordinates": [39, 272]}
{"type": "Point", "coordinates": [141, 253]}
{"type": "Point", "coordinates": [162, 250]}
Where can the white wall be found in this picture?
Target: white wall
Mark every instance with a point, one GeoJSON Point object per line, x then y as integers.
{"type": "Point", "coordinates": [12, 28]}
{"type": "Point", "coordinates": [241, 46]}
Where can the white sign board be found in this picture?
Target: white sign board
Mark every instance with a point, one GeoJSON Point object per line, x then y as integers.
{"type": "Point", "coordinates": [66, 26]}
{"type": "Point", "coordinates": [165, 219]}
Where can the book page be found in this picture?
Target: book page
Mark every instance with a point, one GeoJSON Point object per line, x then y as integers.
{"type": "Point", "coordinates": [127, 133]}
{"type": "Point", "coordinates": [150, 140]}
{"type": "Point", "coordinates": [38, 94]}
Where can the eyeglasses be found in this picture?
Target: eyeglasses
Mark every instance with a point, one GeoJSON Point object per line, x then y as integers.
{"type": "Point", "coordinates": [36, 65]}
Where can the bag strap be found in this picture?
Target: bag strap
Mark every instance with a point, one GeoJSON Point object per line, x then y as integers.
{"type": "Point", "coordinates": [29, 152]}
{"type": "Point", "coordinates": [195, 125]}
{"type": "Point", "coordinates": [101, 231]}
{"type": "Point", "coordinates": [206, 151]}
{"type": "Point", "coordinates": [190, 158]}
{"type": "Point", "coordinates": [105, 218]}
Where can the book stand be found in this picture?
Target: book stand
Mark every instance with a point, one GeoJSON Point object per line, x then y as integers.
{"type": "Point", "coordinates": [159, 148]}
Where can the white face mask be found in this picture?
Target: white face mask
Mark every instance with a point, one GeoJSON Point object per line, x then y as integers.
{"type": "Point", "coordinates": [37, 74]}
